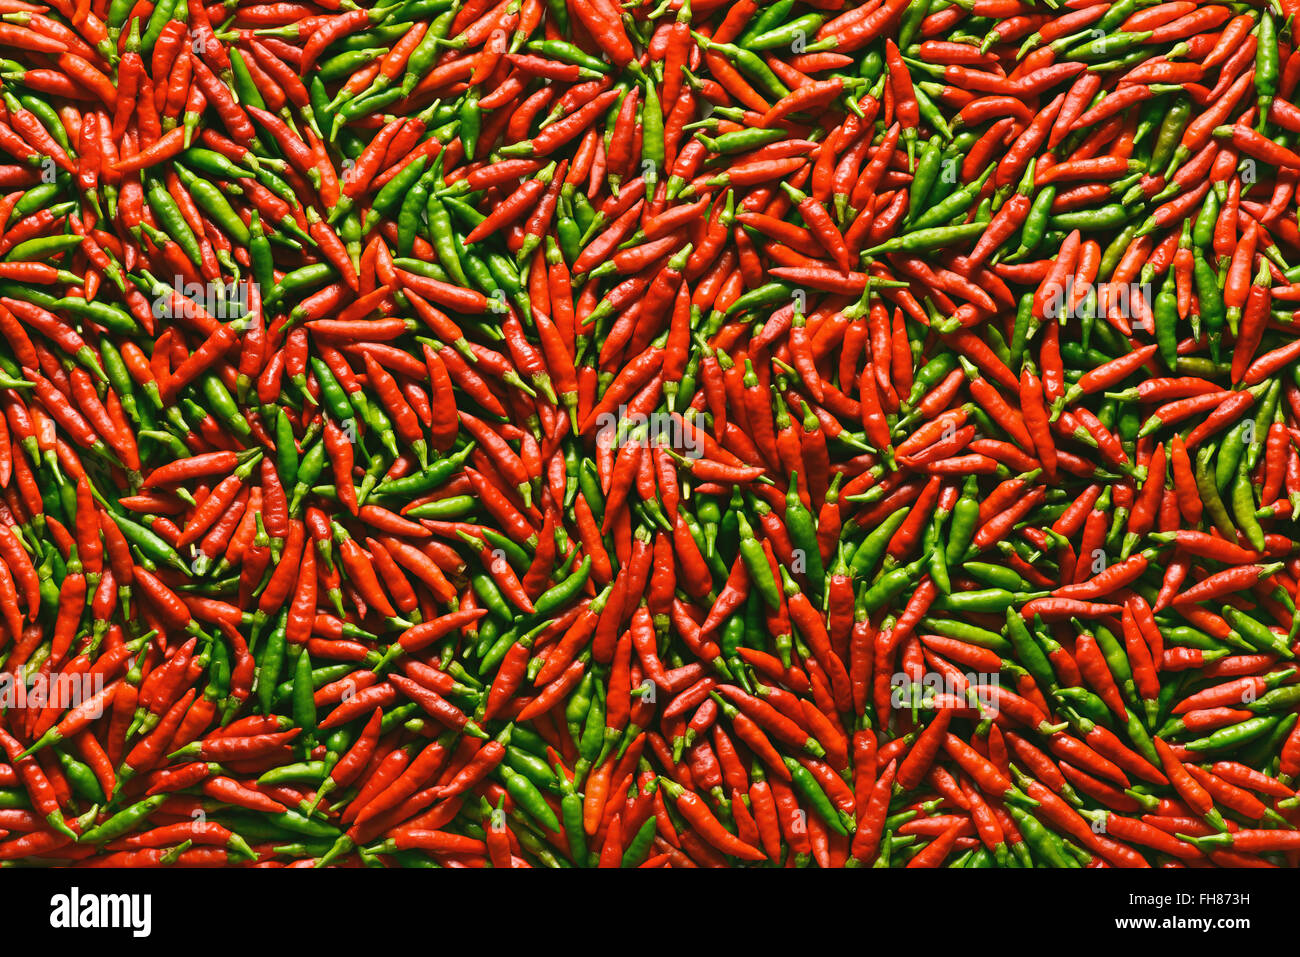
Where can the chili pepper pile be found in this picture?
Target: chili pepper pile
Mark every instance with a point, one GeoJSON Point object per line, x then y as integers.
{"type": "Point", "coordinates": [554, 433]}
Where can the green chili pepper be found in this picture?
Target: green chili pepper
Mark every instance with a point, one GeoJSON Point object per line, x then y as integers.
{"type": "Point", "coordinates": [871, 550]}
{"type": "Point", "coordinates": [802, 527]}
{"type": "Point", "coordinates": [1041, 841]}
{"type": "Point", "coordinates": [526, 795]}
{"type": "Point", "coordinates": [1267, 63]}
{"type": "Point", "coordinates": [891, 584]}
{"type": "Point", "coordinates": [792, 31]}
{"type": "Point", "coordinates": [923, 179]}
{"type": "Point", "coordinates": [567, 52]}
{"type": "Point", "coordinates": [1209, 492]}
{"type": "Point", "coordinates": [984, 600]}
{"type": "Point", "coordinates": [807, 785]}
{"type": "Point", "coordinates": [150, 545]}
{"type": "Point", "coordinates": [245, 85]}
{"type": "Point", "coordinates": [760, 572]}
{"type": "Point", "coordinates": [173, 220]}
{"type": "Point", "coordinates": [750, 63]}
{"type": "Point", "coordinates": [1234, 735]}
{"type": "Point", "coordinates": [158, 18]}
{"type": "Point", "coordinates": [560, 595]}
{"type": "Point", "coordinates": [124, 821]}
{"type": "Point", "coordinates": [304, 705]}
{"type": "Point", "coordinates": [971, 634]}
{"type": "Point", "coordinates": [921, 240]}
{"type": "Point", "coordinates": [952, 206]}
{"type": "Point", "coordinates": [413, 207]}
